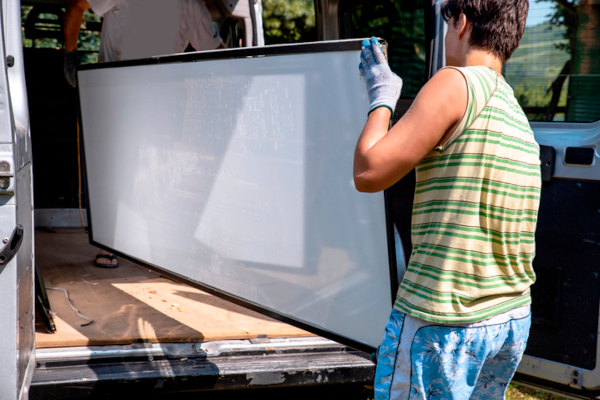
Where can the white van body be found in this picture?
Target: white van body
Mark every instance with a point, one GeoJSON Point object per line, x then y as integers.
{"type": "Point", "coordinates": [564, 345]}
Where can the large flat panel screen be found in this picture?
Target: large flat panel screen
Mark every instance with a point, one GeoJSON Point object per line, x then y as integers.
{"type": "Point", "coordinates": [235, 173]}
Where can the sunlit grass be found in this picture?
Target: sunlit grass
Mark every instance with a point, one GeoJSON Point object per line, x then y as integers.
{"type": "Point", "coordinates": [519, 392]}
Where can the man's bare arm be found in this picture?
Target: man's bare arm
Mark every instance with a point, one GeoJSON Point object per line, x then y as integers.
{"type": "Point", "coordinates": [72, 25]}
{"type": "Point", "coordinates": [73, 20]}
{"type": "Point", "coordinates": [384, 157]}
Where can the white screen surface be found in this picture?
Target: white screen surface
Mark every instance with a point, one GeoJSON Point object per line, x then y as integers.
{"type": "Point", "coordinates": [238, 174]}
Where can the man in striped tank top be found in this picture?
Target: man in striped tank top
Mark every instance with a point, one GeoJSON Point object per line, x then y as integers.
{"type": "Point", "coordinates": [461, 317]}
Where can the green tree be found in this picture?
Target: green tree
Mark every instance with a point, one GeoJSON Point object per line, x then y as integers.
{"type": "Point", "coordinates": [402, 25]}
{"type": "Point", "coordinates": [47, 29]}
{"type": "Point", "coordinates": [579, 19]}
{"type": "Point", "coordinates": [564, 15]}
{"type": "Point", "coordinates": [289, 21]}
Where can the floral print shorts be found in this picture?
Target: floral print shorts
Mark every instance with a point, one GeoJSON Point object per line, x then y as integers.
{"type": "Point", "coordinates": [421, 360]}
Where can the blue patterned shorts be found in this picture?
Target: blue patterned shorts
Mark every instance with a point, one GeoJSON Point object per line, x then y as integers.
{"type": "Point", "coordinates": [420, 360]}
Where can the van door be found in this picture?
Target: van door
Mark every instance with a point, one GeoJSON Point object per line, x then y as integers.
{"type": "Point", "coordinates": [555, 76]}
{"type": "Point", "coordinates": [232, 170]}
{"type": "Point", "coordinates": [16, 214]}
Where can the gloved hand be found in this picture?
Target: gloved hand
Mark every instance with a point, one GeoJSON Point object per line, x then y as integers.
{"type": "Point", "coordinates": [383, 85]}
{"type": "Point", "coordinates": [70, 66]}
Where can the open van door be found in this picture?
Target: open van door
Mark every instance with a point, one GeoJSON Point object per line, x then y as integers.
{"type": "Point", "coordinates": [16, 215]}
{"type": "Point", "coordinates": [232, 170]}
{"type": "Point", "coordinates": [555, 76]}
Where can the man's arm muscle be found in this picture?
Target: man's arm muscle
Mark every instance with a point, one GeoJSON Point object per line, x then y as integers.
{"type": "Point", "coordinates": [382, 158]}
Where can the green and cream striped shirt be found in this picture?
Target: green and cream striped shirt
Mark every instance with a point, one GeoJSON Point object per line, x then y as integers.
{"type": "Point", "coordinates": [475, 212]}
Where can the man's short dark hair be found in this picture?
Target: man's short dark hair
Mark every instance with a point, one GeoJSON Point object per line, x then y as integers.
{"type": "Point", "coordinates": [496, 25]}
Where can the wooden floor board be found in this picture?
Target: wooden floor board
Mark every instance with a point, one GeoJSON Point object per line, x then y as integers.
{"type": "Point", "coordinates": [130, 303]}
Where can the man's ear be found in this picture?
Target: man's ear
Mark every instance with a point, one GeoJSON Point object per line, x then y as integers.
{"type": "Point", "coordinates": [462, 25]}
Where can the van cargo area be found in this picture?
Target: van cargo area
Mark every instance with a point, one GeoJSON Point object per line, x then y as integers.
{"type": "Point", "coordinates": [150, 335]}
{"type": "Point", "coordinates": [161, 336]}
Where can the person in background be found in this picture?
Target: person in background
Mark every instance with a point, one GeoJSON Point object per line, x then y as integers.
{"type": "Point", "coordinates": [133, 29]}
{"type": "Point", "coordinates": [141, 28]}
{"type": "Point", "coordinates": [461, 319]}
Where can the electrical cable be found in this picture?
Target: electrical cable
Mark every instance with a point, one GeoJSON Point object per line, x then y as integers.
{"type": "Point", "coordinates": [71, 304]}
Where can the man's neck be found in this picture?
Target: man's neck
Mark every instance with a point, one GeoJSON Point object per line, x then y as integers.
{"type": "Point", "coordinates": [480, 58]}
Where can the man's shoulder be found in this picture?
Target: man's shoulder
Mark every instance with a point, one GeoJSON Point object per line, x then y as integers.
{"type": "Point", "coordinates": [449, 86]}
{"type": "Point", "coordinates": [449, 78]}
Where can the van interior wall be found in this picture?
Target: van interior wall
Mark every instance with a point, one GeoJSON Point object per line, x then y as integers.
{"type": "Point", "coordinates": [53, 114]}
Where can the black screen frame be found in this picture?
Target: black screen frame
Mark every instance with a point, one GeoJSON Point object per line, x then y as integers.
{"type": "Point", "coordinates": [267, 51]}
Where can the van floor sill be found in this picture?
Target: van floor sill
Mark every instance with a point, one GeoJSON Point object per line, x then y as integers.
{"type": "Point", "coordinates": [229, 365]}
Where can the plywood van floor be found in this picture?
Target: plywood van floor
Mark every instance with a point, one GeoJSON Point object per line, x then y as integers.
{"type": "Point", "coordinates": [131, 303]}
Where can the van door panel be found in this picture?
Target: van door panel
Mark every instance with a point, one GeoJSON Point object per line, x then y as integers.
{"type": "Point", "coordinates": [25, 290]}
{"type": "Point", "coordinates": [565, 317]}
{"type": "Point", "coordinates": [554, 74]}
{"type": "Point", "coordinates": [16, 208]}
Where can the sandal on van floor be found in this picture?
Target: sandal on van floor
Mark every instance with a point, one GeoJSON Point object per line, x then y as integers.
{"type": "Point", "coordinates": [109, 257]}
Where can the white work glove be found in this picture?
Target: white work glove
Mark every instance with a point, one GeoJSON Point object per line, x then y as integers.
{"type": "Point", "coordinates": [383, 85]}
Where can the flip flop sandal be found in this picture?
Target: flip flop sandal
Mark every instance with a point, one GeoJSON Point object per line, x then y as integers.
{"type": "Point", "coordinates": [109, 257]}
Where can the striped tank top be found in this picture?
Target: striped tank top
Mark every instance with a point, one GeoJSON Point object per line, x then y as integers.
{"type": "Point", "coordinates": [475, 212]}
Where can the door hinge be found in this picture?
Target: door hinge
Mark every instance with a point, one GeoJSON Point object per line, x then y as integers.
{"type": "Point", "coordinates": [5, 175]}
{"type": "Point", "coordinates": [576, 379]}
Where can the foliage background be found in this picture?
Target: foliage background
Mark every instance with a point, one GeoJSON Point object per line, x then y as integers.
{"type": "Point", "coordinates": [554, 72]}
{"type": "Point", "coordinates": [289, 21]}
{"type": "Point", "coordinates": [89, 37]}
